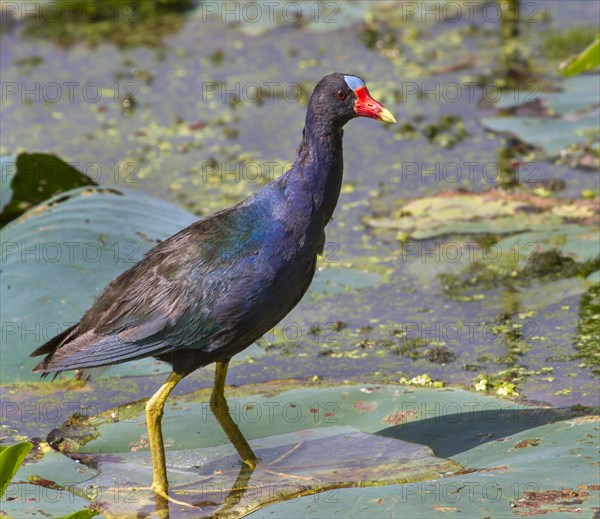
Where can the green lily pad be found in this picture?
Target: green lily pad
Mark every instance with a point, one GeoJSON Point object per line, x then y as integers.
{"type": "Point", "coordinates": [56, 470]}
{"type": "Point", "coordinates": [123, 429]}
{"type": "Point", "coordinates": [572, 115]}
{"type": "Point", "coordinates": [481, 456]}
{"type": "Point", "coordinates": [517, 476]}
{"type": "Point", "coordinates": [551, 254]}
{"type": "Point", "coordinates": [25, 500]}
{"type": "Point", "coordinates": [540, 239]}
{"type": "Point", "coordinates": [301, 436]}
{"type": "Point", "coordinates": [491, 212]}
{"type": "Point", "coordinates": [577, 242]}
{"type": "Point", "coordinates": [552, 135]}
{"type": "Point", "coordinates": [290, 465]}
{"type": "Point", "coordinates": [50, 477]}
{"type": "Point", "coordinates": [32, 178]}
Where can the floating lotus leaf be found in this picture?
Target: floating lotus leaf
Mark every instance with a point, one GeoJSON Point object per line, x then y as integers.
{"type": "Point", "coordinates": [491, 212]}
{"type": "Point", "coordinates": [25, 501]}
{"type": "Point", "coordinates": [31, 178]}
{"type": "Point", "coordinates": [517, 475]}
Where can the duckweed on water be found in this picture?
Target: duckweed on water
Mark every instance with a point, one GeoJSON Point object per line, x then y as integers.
{"type": "Point", "coordinates": [588, 328]}
{"type": "Point", "coordinates": [422, 380]}
{"type": "Point", "coordinates": [126, 24]}
{"type": "Point", "coordinates": [490, 383]}
{"type": "Point", "coordinates": [545, 266]}
{"type": "Point", "coordinates": [446, 132]}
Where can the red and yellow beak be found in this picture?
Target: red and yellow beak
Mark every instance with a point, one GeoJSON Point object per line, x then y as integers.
{"type": "Point", "coordinates": [366, 106]}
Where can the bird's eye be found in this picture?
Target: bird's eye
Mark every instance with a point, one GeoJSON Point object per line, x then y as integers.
{"type": "Point", "coordinates": [341, 95]}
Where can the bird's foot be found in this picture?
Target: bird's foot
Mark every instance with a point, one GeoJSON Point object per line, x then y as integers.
{"type": "Point", "coordinates": [162, 494]}
{"type": "Point", "coordinates": [160, 490]}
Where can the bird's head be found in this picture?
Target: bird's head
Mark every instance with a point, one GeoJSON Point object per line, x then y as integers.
{"type": "Point", "coordinates": [342, 97]}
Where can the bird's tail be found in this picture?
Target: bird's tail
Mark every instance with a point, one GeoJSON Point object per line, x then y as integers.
{"type": "Point", "coordinates": [49, 348]}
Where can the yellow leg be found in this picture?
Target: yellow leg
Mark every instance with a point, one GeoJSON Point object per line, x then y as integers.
{"type": "Point", "coordinates": [219, 407]}
{"type": "Point", "coordinates": [154, 413]}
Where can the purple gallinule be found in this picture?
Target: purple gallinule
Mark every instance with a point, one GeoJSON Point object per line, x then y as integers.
{"type": "Point", "coordinates": [215, 287]}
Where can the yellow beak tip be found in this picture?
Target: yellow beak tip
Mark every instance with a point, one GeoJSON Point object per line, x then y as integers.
{"type": "Point", "coordinates": [386, 116]}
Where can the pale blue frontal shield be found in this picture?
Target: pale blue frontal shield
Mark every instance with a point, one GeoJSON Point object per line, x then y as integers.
{"type": "Point", "coordinates": [354, 82]}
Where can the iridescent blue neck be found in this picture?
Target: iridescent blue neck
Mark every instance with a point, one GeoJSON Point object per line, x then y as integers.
{"type": "Point", "coordinates": [312, 186]}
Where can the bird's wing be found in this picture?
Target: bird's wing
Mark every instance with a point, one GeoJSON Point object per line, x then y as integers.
{"type": "Point", "coordinates": [162, 303]}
